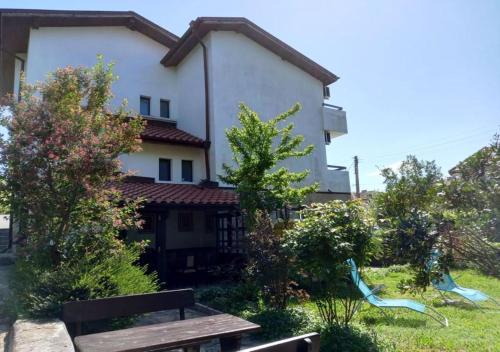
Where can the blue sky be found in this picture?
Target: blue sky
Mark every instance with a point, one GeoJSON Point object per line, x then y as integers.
{"type": "Point", "coordinates": [420, 77]}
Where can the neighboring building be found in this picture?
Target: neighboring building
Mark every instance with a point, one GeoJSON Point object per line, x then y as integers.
{"type": "Point", "coordinates": [188, 89]}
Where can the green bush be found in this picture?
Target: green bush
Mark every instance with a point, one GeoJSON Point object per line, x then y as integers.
{"type": "Point", "coordinates": [335, 338]}
{"type": "Point", "coordinates": [269, 264]}
{"type": "Point", "coordinates": [232, 299]}
{"type": "Point", "coordinates": [41, 292]}
{"type": "Point", "coordinates": [322, 241]}
{"type": "Point", "coordinates": [281, 323]}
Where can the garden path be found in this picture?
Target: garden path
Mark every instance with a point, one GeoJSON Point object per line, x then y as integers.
{"type": "Point", "coordinates": [4, 289]}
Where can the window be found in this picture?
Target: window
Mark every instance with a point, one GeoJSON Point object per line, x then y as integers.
{"type": "Point", "coordinates": [165, 108]}
{"type": "Point", "coordinates": [165, 173]}
{"type": "Point", "coordinates": [145, 106]}
{"type": "Point", "coordinates": [185, 222]}
{"type": "Point", "coordinates": [187, 171]}
{"type": "Point", "coordinates": [328, 137]}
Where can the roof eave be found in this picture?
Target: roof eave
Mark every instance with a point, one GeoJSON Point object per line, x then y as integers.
{"type": "Point", "coordinates": [203, 25]}
{"type": "Point", "coordinates": [71, 18]}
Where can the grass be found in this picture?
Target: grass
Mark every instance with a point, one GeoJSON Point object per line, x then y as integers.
{"type": "Point", "coordinates": [471, 329]}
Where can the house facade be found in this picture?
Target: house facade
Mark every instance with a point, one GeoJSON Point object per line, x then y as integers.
{"type": "Point", "coordinates": [188, 89]}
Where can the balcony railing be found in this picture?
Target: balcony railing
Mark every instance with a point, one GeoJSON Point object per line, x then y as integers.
{"type": "Point", "coordinates": [336, 107]}
{"type": "Point", "coordinates": [336, 167]}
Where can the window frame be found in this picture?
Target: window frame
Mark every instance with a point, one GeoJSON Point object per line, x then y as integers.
{"type": "Point", "coordinates": [182, 170]}
{"type": "Point", "coordinates": [168, 108]}
{"type": "Point", "coordinates": [169, 169]}
{"type": "Point", "coordinates": [145, 97]}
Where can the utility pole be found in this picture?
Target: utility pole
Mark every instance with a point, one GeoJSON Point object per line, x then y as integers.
{"type": "Point", "coordinates": [356, 173]}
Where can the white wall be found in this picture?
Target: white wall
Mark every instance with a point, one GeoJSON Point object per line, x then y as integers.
{"type": "Point", "coordinates": [240, 70]}
{"type": "Point", "coordinates": [244, 71]}
{"type": "Point", "coordinates": [191, 93]}
{"type": "Point", "coordinates": [137, 60]}
{"type": "Point", "coordinates": [199, 237]}
{"type": "Point", "coordinates": [145, 163]}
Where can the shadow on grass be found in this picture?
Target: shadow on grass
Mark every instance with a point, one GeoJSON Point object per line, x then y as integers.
{"type": "Point", "coordinates": [456, 304]}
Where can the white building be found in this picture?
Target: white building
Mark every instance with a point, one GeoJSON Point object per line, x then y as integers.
{"type": "Point", "coordinates": [188, 89]}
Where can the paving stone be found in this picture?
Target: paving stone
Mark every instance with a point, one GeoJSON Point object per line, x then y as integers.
{"type": "Point", "coordinates": [38, 336]}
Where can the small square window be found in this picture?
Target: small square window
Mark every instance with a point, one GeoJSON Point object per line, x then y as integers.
{"type": "Point", "coordinates": [187, 171]}
{"type": "Point", "coordinates": [165, 108]}
{"type": "Point", "coordinates": [185, 222]}
{"type": "Point", "coordinates": [145, 106]}
{"type": "Point", "coordinates": [165, 173]}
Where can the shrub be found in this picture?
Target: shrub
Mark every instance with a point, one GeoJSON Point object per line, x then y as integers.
{"type": "Point", "coordinates": [232, 299]}
{"type": "Point", "coordinates": [335, 338]}
{"type": "Point", "coordinates": [281, 323]}
{"type": "Point", "coordinates": [322, 241]}
{"type": "Point", "coordinates": [268, 263]}
{"type": "Point", "coordinates": [410, 218]}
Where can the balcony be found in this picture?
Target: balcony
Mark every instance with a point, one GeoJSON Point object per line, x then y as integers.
{"type": "Point", "coordinates": [337, 179]}
{"type": "Point", "coordinates": [334, 120]}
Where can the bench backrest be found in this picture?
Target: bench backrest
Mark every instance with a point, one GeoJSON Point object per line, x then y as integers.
{"type": "Point", "coordinates": [303, 343]}
{"type": "Point", "coordinates": [77, 312]}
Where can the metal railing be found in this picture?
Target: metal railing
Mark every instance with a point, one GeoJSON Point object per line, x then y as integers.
{"type": "Point", "coordinates": [333, 106]}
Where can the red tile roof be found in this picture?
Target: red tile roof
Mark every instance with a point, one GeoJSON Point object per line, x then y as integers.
{"type": "Point", "coordinates": [177, 194]}
{"type": "Point", "coordinates": [159, 131]}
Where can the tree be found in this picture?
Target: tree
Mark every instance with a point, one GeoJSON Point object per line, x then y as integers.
{"type": "Point", "coordinates": [60, 162]}
{"type": "Point", "coordinates": [472, 206]}
{"type": "Point", "coordinates": [322, 241]}
{"type": "Point", "coordinates": [258, 147]}
{"type": "Point", "coordinates": [410, 217]}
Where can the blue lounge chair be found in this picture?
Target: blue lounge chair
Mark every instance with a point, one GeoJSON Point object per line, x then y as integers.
{"type": "Point", "coordinates": [446, 284]}
{"type": "Point", "coordinates": [381, 303]}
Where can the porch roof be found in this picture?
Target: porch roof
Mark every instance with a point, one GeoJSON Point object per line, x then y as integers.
{"type": "Point", "coordinates": [165, 132]}
{"type": "Point", "coordinates": [178, 194]}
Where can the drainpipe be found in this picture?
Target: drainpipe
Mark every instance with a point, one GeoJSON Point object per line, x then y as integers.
{"type": "Point", "coordinates": [207, 103]}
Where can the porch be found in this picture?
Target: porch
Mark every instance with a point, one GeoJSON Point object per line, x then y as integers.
{"type": "Point", "coordinates": [194, 233]}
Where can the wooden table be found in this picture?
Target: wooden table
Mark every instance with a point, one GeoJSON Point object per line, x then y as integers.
{"type": "Point", "coordinates": [181, 333]}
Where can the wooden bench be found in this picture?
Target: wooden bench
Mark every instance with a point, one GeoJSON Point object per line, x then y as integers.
{"type": "Point", "coordinates": [182, 333]}
{"type": "Point", "coordinates": [304, 343]}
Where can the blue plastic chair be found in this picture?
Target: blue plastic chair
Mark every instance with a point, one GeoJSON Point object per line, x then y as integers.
{"type": "Point", "coordinates": [381, 303]}
{"type": "Point", "coordinates": [446, 284]}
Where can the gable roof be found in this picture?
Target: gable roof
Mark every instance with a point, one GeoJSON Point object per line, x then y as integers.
{"type": "Point", "coordinates": [26, 18]}
{"type": "Point", "coordinates": [202, 25]}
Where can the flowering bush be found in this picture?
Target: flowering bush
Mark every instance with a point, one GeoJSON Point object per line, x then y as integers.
{"type": "Point", "coordinates": [60, 160]}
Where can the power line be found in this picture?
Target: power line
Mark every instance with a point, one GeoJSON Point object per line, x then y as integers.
{"type": "Point", "coordinates": [430, 148]}
{"type": "Point", "coordinates": [434, 145]}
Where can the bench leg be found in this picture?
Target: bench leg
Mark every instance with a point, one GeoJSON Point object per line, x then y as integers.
{"type": "Point", "coordinates": [230, 344]}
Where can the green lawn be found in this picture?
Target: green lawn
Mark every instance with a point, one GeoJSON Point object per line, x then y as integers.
{"type": "Point", "coordinates": [470, 329]}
